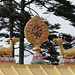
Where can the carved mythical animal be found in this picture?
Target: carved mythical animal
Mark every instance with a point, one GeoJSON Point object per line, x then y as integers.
{"type": "Point", "coordinates": [7, 52]}
{"type": "Point", "coordinates": [68, 53]}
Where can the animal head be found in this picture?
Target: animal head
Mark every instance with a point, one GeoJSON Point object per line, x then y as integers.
{"type": "Point", "coordinates": [14, 40]}
{"type": "Point", "coordinates": [58, 41]}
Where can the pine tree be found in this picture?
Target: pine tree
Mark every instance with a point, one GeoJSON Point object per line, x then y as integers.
{"type": "Point", "coordinates": [50, 54]}
{"type": "Point", "coordinates": [5, 13]}
{"type": "Point", "coordinates": [65, 9]}
{"type": "Point", "coordinates": [62, 8]}
{"type": "Point", "coordinates": [16, 19]}
{"type": "Point", "coordinates": [9, 11]}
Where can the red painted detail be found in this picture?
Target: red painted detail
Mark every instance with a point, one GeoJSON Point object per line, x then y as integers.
{"type": "Point", "coordinates": [10, 59]}
{"type": "Point", "coordinates": [64, 40]}
{"type": "Point", "coordinates": [31, 24]}
{"type": "Point", "coordinates": [11, 39]}
{"type": "Point", "coordinates": [2, 58]}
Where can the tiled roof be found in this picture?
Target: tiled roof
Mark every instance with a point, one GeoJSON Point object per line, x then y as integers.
{"type": "Point", "coordinates": [8, 69]}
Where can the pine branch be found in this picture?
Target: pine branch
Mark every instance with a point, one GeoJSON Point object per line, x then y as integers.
{"type": "Point", "coordinates": [33, 10]}
{"type": "Point", "coordinates": [16, 3]}
{"type": "Point", "coordinates": [42, 3]}
{"type": "Point", "coordinates": [29, 2]}
{"type": "Point", "coordinates": [29, 52]}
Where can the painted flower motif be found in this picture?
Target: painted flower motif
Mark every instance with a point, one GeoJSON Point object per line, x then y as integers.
{"type": "Point", "coordinates": [31, 24]}
{"type": "Point", "coordinates": [45, 36]}
{"type": "Point", "coordinates": [36, 19]}
{"type": "Point", "coordinates": [2, 59]}
{"type": "Point", "coordinates": [7, 59]}
{"type": "Point", "coordinates": [27, 29]}
{"type": "Point", "coordinates": [42, 24]}
{"type": "Point", "coordinates": [34, 40]}
{"type": "Point", "coordinates": [11, 60]}
{"type": "Point", "coordinates": [28, 36]}
{"type": "Point", "coordinates": [45, 29]}
{"type": "Point", "coordinates": [40, 40]}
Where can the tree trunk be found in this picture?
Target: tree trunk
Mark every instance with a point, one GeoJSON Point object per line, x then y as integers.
{"type": "Point", "coordinates": [11, 32]}
{"type": "Point", "coordinates": [21, 51]}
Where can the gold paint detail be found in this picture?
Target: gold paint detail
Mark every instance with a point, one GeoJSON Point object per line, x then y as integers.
{"type": "Point", "coordinates": [66, 53]}
{"type": "Point", "coordinates": [37, 32]}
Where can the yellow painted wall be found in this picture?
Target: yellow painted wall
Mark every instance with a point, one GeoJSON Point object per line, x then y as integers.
{"type": "Point", "coordinates": [8, 69]}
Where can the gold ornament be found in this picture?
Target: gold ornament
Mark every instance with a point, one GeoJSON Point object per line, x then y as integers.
{"type": "Point", "coordinates": [36, 32]}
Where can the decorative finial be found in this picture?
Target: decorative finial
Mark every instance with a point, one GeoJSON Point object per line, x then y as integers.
{"type": "Point", "coordinates": [38, 32]}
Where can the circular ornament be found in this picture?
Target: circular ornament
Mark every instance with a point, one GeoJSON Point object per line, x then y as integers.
{"type": "Point", "coordinates": [31, 24]}
{"type": "Point", "coordinates": [37, 30]}
{"type": "Point", "coordinates": [2, 59]}
{"type": "Point", "coordinates": [7, 59]}
{"type": "Point", "coordinates": [11, 60]}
